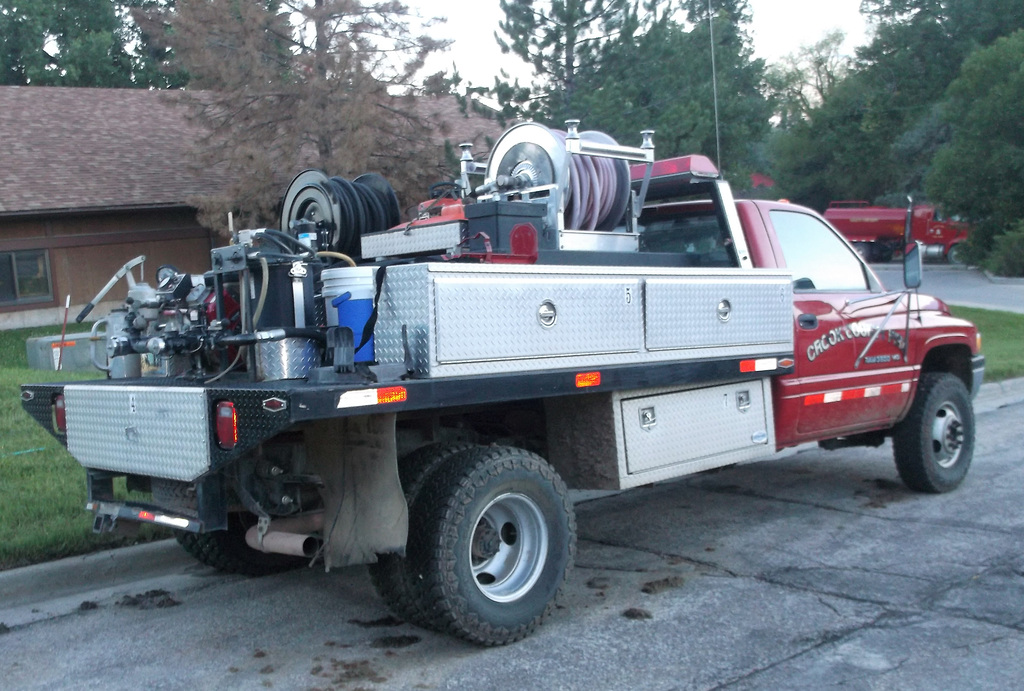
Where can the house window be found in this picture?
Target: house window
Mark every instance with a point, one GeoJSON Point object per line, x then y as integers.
{"type": "Point", "coordinates": [25, 277]}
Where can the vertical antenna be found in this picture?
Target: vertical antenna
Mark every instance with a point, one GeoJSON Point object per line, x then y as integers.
{"type": "Point", "coordinates": [714, 87]}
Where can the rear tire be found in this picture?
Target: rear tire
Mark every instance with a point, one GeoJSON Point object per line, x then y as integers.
{"type": "Point", "coordinates": [497, 541]}
{"type": "Point", "coordinates": [227, 551]}
{"type": "Point", "coordinates": [390, 575]}
{"type": "Point", "coordinates": [934, 445]}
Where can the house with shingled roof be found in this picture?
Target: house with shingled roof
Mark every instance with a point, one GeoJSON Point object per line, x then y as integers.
{"type": "Point", "coordinates": [91, 178]}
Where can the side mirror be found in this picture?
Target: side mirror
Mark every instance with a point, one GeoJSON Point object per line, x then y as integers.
{"type": "Point", "coordinates": [912, 268]}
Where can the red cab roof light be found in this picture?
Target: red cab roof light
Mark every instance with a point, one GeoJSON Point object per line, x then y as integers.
{"type": "Point", "coordinates": [693, 165]}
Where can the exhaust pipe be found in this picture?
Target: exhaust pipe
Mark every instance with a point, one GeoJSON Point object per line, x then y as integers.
{"type": "Point", "coordinates": [290, 536]}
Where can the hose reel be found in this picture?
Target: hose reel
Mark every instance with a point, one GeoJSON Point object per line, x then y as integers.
{"type": "Point", "coordinates": [591, 191]}
{"type": "Point", "coordinates": [339, 211]}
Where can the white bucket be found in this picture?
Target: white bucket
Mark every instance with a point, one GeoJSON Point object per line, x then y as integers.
{"type": "Point", "coordinates": [355, 310]}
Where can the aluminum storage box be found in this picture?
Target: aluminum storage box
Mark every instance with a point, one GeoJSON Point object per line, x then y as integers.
{"type": "Point", "coordinates": [626, 439]}
{"type": "Point", "coordinates": [143, 430]}
{"type": "Point", "coordinates": [466, 319]}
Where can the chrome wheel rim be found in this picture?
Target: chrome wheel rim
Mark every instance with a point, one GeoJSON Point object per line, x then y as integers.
{"type": "Point", "coordinates": [509, 547]}
{"type": "Point", "coordinates": [947, 435]}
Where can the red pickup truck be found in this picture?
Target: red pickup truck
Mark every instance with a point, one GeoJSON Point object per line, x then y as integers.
{"type": "Point", "coordinates": [424, 411]}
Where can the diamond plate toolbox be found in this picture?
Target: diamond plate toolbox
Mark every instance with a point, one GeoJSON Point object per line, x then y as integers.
{"type": "Point", "coordinates": [668, 433]}
{"type": "Point", "coordinates": [155, 431]}
{"type": "Point", "coordinates": [466, 319]}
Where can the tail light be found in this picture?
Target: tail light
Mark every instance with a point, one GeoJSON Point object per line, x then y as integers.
{"type": "Point", "coordinates": [227, 425]}
{"type": "Point", "coordinates": [60, 416]}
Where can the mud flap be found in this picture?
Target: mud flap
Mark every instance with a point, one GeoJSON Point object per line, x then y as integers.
{"type": "Point", "coordinates": [365, 510]}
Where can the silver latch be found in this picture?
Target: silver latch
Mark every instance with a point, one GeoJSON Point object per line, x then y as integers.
{"type": "Point", "coordinates": [743, 401]}
{"type": "Point", "coordinates": [648, 418]}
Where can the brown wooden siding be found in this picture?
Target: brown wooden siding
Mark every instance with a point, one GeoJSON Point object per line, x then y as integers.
{"type": "Point", "coordinates": [86, 249]}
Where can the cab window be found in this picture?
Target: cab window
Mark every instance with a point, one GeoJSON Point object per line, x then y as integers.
{"type": "Point", "coordinates": [818, 258]}
{"type": "Point", "coordinates": [693, 232]}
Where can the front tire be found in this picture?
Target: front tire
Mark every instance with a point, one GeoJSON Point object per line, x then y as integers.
{"type": "Point", "coordinates": [497, 541]}
{"type": "Point", "coordinates": [934, 445]}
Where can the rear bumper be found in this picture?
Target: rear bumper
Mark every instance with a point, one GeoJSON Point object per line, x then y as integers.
{"type": "Point", "coordinates": [978, 373]}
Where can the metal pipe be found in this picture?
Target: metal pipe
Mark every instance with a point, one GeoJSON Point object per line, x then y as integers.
{"type": "Point", "coordinates": [275, 542]}
{"type": "Point", "coordinates": [291, 536]}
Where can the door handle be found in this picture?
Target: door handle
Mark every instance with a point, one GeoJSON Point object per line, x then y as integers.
{"type": "Point", "coordinates": [807, 321]}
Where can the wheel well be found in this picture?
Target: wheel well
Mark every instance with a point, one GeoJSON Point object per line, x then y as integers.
{"type": "Point", "coordinates": [520, 423]}
{"type": "Point", "coordinates": [955, 359]}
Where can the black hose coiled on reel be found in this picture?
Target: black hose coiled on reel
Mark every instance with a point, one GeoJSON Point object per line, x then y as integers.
{"type": "Point", "coordinates": [339, 210]}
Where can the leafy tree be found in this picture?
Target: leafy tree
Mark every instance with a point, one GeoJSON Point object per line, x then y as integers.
{"type": "Point", "coordinates": [560, 39]}
{"type": "Point", "coordinates": [980, 173]}
{"type": "Point", "coordinates": [658, 74]}
{"type": "Point", "coordinates": [835, 153]}
{"type": "Point", "coordinates": [646, 69]}
{"type": "Point", "coordinates": [72, 43]}
{"type": "Point", "coordinates": [883, 123]}
{"type": "Point", "coordinates": [804, 80]}
{"type": "Point", "coordinates": [290, 84]}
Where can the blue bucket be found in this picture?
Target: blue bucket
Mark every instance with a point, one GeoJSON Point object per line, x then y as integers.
{"type": "Point", "coordinates": [348, 293]}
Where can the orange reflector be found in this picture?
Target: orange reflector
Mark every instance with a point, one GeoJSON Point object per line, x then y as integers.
{"type": "Point", "coordinates": [146, 516]}
{"type": "Point", "coordinates": [585, 379]}
{"type": "Point", "coordinates": [392, 394]}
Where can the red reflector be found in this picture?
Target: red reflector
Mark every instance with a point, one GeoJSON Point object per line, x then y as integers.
{"type": "Point", "coordinates": [227, 425]}
{"type": "Point", "coordinates": [585, 379]}
{"type": "Point", "coordinates": [748, 365]}
{"type": "Point", "coordinates": [273, 405]}
{"type": "Point", "coordinates": [814, 399]}
{"type": "Point", "coordinates": [60, 416]}
{"type": "Point", "coordinates": [392, 394]}
{"type": "Point", "coordinates": [146, 516]}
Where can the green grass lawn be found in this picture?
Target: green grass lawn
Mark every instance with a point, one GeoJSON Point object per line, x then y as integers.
{"type": "Point", "coordinates": [42, 489]}
{"type": "Point", "coordinates": [1002, 341]}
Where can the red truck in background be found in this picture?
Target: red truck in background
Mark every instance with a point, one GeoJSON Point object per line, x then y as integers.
{"type": "Point", "coordinates": [877, 231]}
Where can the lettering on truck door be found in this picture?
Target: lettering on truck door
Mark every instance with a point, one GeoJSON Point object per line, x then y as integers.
{"type": "Point", "coordinates": [838, 306]}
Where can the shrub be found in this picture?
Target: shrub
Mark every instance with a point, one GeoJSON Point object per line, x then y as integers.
{"type": "Point", "coordinates": [1007, 255]}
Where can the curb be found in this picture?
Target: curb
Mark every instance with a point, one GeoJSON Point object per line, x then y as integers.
{"type": "Point", "coordinates": [998, 394]}
{"type": "Point", "coordinates": [66, 584]}
{"type": "Point", "coordinates": [1002, 280]}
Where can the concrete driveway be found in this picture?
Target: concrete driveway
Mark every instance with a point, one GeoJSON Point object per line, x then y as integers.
{"type": "Point", "coordinates": [960, 285]}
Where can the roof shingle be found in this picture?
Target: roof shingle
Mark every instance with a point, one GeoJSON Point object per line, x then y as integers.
{"type": "Point", "coordinates": [71, 148]}
{"type": "Point", "coordinates": [65, 148]}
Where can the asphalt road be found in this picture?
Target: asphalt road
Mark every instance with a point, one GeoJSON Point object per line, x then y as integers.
{"type": "Point", "coordinates": [960, 285]}
{"type": "Point", "coordinates": [805, 572]}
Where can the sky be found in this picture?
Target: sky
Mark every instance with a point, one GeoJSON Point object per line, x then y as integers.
{"type": "Point", "coordinates": [779, 27]}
